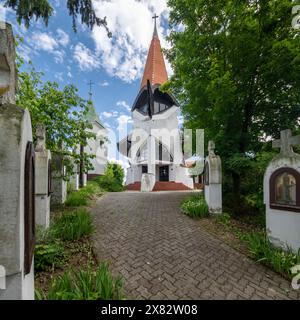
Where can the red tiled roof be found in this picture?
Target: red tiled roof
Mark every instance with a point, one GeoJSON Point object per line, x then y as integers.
{"type": "Point", "coordinates": [155, 69]}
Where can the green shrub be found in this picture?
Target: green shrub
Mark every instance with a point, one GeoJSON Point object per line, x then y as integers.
{"type": "Point", "coordinates": [263, 251]}
{"type": "Point", "coordinates": [76, 199]}
{"type": "Point", "coordinates": [109, 184]}
{"type": "Point", "coordinates": [81, 197]}
{"type": "Point", "coordinates": [224, 219]}
{"type": "Point", "coordinates": [73, 226]}
{"type": "Point", "coordinates": [49, 252]}
{"type": "Point", "coordinates": [86, 285]}
{"type": "Point", "coordinates": [195, 207]}
{"type": "Point", "coordinates": [48, 256]}
{"type": "Point", "coordinates": [112, 180]}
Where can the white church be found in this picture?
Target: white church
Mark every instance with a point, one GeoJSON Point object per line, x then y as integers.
{"type": "Point", "coordinates": [154, 147]}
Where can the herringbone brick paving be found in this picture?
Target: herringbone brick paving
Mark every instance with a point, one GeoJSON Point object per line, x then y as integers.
{"type": "Point", "coordinates": [163, 254]}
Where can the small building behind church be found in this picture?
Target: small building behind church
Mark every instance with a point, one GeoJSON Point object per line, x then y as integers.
{"type": "Point", "coordinates": [155, 144]}
{"type": "Point", "coordinates": [97, 147]}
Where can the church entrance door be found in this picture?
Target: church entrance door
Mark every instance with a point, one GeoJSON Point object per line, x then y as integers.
{"type": "Point", "coordinates": [164, 173]}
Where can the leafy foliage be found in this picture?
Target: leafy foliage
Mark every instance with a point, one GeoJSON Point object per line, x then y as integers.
{"type": "Point", "coordinates": [112, 180]}
{"type": "Point", "coordinates": [263, 251]}
{"type": "Point", "coordinates": [195, 207]}
{"type": "Point", "coordinates": [26, 10]}
{"type": "Point", "coordinates": [48, 256]}
{"type": "Point", "coordinates": [62, 112]}
{"type": "Point", "coordinates": [49, 252]}
{"type": "Point", "coordinates": [81, 197]}
{"type": "Point", "coordinates": [86, 285]}
{"type": "Point", "coordinates": [236, 75]}
{"type": "Point", "coordinates": [73, 225]}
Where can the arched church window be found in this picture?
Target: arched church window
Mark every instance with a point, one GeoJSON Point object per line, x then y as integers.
{"type": "Point", "coordinates": [285, 190]}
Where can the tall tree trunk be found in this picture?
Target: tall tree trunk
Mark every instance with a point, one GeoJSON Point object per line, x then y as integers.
{"type": "Point", "coordinates": [81, 168]}
{"type": "Point", "coordinates": [236, 180]}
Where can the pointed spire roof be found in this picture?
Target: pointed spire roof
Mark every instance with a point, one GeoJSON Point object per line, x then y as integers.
{"type": "Point", "coordinates": [155, 69]}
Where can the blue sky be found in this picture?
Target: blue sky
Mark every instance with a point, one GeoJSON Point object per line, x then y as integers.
{"type": "Point", "coordinates": [114, 65]}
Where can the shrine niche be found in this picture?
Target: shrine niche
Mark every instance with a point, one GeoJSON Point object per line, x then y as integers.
{"type": "Point", "coordinates": [285, 190]}
{"type": "Point", "coordinates": [282, 194]}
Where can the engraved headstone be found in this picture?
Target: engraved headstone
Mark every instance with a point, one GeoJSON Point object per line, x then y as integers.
{"type": "Point", "coordinates": [43, 179]}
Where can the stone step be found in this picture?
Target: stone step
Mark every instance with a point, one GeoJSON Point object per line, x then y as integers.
{"type": "Point", "coordinates": [159, 186]}
{"type": "Point", "coordinates": [169, 186]}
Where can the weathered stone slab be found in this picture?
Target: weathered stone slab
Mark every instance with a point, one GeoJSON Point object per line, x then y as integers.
{"type": "Point", "coordinates": [213, 180]}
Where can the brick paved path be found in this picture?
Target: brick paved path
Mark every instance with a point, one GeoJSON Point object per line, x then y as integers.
{"type": "Point", "coordinates": [163, 254]}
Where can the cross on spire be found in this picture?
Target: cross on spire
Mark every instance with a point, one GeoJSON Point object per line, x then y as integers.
{"type": "Point", "coordinates": [286, 142]}
{"type": "Point", "coordinates": [211, 148]}
{"type": "Point", "coordinates": [90, 84]}
{"type": "Point", "coordinates": [155, 29]}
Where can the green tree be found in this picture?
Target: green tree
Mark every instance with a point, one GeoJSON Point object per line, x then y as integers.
{"type": "Point", "coordinates": [26, 10]}
{"type": "Point", "coordinates": [63, 114]}
{"type": "Point", "coordinates": [237, 75]}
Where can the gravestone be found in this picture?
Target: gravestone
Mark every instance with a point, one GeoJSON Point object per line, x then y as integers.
{"type": "Point", "coordinates": [213, 180]}
{"type": "Point", "coordinates": [74, 179]}
{"type": "Point", "coordinates": [42, 179]}
{"type": "Point", "coordinates": [59, 183]}
{"type": "Point", "coordinates": [282, 194]}
{"type": "Point", "coordinates": [17, 183]}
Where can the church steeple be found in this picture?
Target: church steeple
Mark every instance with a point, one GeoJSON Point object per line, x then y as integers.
{"type": "Point", "coordinates": [155, 69]}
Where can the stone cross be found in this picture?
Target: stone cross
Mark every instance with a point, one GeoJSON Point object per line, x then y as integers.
{"type": "Point", "coordinates": [286, 142]}
{"type": "Point", "coordinates": [211, 148]}
{"type": "Point", "coordinates": [40, 138]}
{"type": "Point", "coordinates": [8, 77]}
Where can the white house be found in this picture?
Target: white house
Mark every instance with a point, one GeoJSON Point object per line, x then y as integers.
{"type": "Point", "coordinates": [155, 146]}
{"type": "Point", "coordinates": [98, 146]}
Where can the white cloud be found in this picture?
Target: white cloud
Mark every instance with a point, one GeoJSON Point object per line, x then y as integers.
{"type": "Point", "coordinates": [44, 41]}
{"type": "Point", "coordinates": [87, 61]}
{"type": "Point", "coordinates": [59, 76]}
{"type": "Point", "coordinates": [131, 24]}
{"type": "Point", "coordinates": [63, 37]}
{"type": "Point", "coordinates": [124, 163]}
{"type": "Point", "coordinates": [123, 121]}
{"type": "Point", "coordinates": [59, 56]}
{"type": "Point", "coordinates": [124, 105]}
{"type": "Point", "coordinates": [107, 114]}
{"type": "Point", "coordinates": [104, 84]}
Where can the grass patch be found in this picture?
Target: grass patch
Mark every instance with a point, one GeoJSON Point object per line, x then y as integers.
{"type": "Point", "coordinates": [76, 199]}
{"type": "Point", "coordinates": [87, 284]}
{"type": "Point", "coordinates": [82, 196]}
{"type": "Point", "coordinates": [264, 252]}
{"type": "Point", "coordinates": [195, 207]}
{"type": "Point", "coordinates": [72, 226]}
